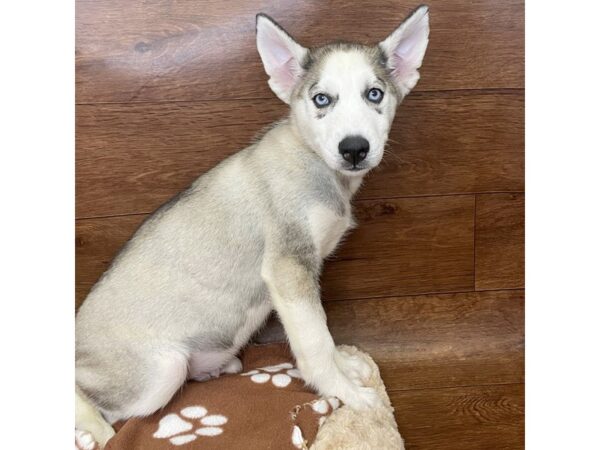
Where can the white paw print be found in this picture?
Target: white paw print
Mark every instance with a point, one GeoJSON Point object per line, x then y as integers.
{"type": "Point", "coordinates": [178, 430]}
{"type": "Point", "coordinates": [280, 380]}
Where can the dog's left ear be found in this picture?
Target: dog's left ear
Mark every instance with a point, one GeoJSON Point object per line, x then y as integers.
{"type": "Point", "coordinates": [281, 55]}
{"type": "Point", "coordinates": [405, 49]}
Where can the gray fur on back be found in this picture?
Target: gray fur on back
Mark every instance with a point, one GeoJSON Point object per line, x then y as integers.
{"type": "Point", "coordinates": [191, 271]}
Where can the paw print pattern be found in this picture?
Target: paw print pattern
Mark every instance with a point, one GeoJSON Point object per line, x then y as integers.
{"type": "Point", "coordinates": [280, 380]}
{"type": "Point", "coordinates": [179, 431]}
{"type": "Point", "coordinates": [322, 407]}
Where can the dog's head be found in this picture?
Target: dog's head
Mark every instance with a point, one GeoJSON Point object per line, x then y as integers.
{"type": "Point", "coordinates": [343, 97]}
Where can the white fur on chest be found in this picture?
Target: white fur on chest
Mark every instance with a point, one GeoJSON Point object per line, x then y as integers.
{"type": "Point", "coordinates": [327, 228]}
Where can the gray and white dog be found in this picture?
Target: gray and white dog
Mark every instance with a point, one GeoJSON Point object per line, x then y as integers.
{"type": "Point", "coordinates": [202, 274]}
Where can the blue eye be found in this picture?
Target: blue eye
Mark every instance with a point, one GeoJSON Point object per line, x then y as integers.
{"type": "Point", "coordinates": [375, 95]}
{"type": "Point", "coordinates": [321, 100]}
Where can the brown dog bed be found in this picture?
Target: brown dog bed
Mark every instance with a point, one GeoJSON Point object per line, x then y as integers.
{"type": "Point", "coordinates": [267, 406]}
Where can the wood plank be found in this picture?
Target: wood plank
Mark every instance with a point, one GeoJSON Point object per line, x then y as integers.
{"type": "Point", "coordinates": [500, 241]}
{"type": "Point", "coordinates": [149, 51]}
{"type": "Point", "coordinates": [449, 143]}
{"type": "Point", "coordinates": [466, 418]}
{"type": "Point", "coordinates": [439, 340]}
{"type": "Point", "coordinates": [132, 158]}
{"type": "Point", "coordinates": [432, 341]}
{"type": "Point", "coordinates": [403, 246]}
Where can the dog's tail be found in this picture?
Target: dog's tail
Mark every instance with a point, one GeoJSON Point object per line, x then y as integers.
{"type": "Point", "coordinates": [88, 419]}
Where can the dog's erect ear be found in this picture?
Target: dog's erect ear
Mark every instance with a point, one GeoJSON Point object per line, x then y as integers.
{"type": "Point", "coordinates": [405, 49]}
{"type": "Point", "coordinates": [281, 56]}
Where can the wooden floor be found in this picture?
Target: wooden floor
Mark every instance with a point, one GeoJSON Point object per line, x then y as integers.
{"type": "Point", "coordinates": [431, 282]}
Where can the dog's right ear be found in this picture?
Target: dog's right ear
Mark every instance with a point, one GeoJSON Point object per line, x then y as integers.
{"type": "Point", "coordinates": [281, 55]}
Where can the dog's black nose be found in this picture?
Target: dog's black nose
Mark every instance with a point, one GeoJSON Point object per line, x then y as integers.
{"type": "Point", "coordinates": [354, 149]}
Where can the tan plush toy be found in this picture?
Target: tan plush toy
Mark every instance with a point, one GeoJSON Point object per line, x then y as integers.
{"type": "Point", "coordinates": [348, 429]}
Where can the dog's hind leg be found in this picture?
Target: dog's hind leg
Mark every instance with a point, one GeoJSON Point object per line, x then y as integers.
{"type": "Point", "coordinates": [88, 419]}
{"type": "Point", "coordinates": [132, 387]}
{"type": "Point", "coordinates": [169, 372]}
{"type": "Point", "coordinates": [204, 365]}
{"type": "Point", "coordinates": [233, 366]}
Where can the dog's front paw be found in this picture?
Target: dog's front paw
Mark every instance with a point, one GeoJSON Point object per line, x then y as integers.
{"type": "Point", "coordinates": [354, 367]}
{"type": "Point", "coordinates": [361, 398]}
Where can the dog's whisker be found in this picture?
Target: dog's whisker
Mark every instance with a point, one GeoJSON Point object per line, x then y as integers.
{"type": "Point", "coordinates": [389, 154]}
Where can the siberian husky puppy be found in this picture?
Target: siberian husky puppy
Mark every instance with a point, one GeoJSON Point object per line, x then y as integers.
{"type": "Point", "coordinates": [202, 274]}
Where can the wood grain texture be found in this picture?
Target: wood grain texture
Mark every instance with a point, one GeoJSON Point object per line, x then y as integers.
{"type": "Point", "coordinates": [402, 246]}
{"type": "Point", "coordinates": [434, 341]}
{"type": "Point", "coordinates": [133, 157]}
{"type": "Point", "coordinates": [464, 418]}
{"type": "Point", "coordinates": [183, 50]}
{"type": "Point", "coordinates": [500, 241]}
{"type": "Point", "coordinates": [447, 143]}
